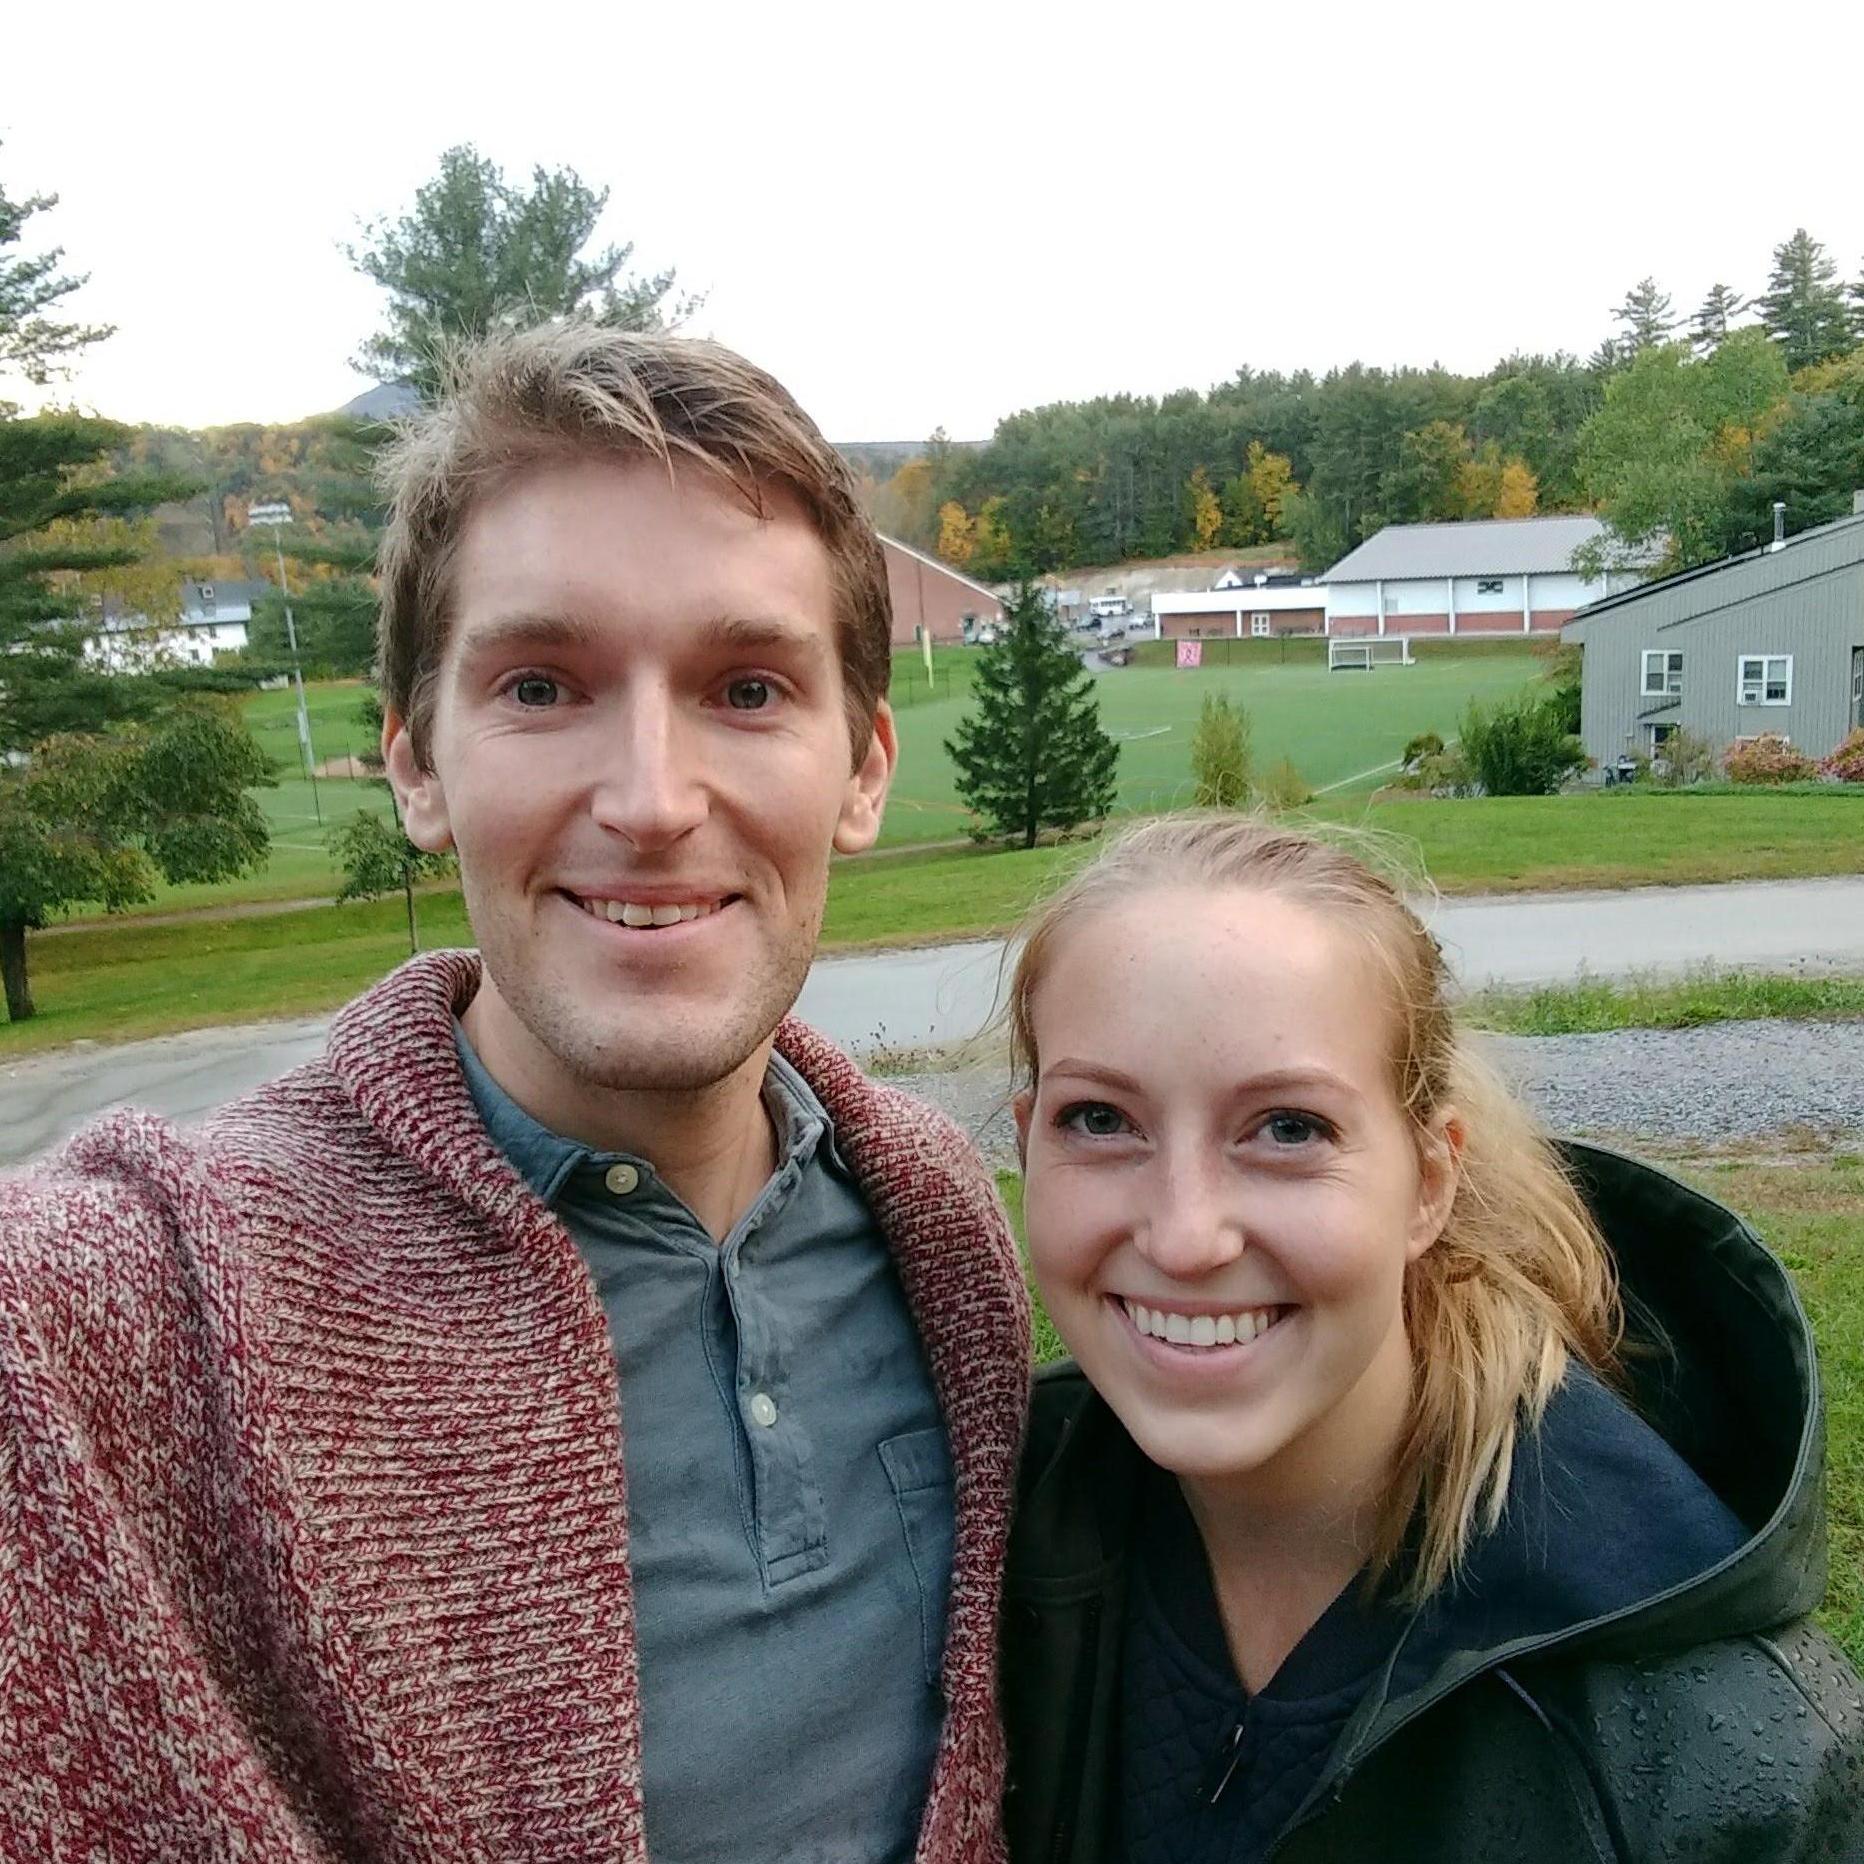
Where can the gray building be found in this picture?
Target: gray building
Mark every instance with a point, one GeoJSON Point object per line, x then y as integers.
{"type": "Point", "coordinates": [1772, 642]}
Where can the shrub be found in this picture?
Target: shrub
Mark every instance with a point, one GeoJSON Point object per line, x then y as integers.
{"type": "Point", "coordinates": [1220, 753]}
{"type": "Point", "coordinates": [1425, 744]}
{"type": "Point", "coordinates": [1285, 788]}
{"type": "Point", "coordinates": [1520, 747]}
{"type": "Point", "coordinates": [1686, 757]}
{"type": "Point", "coordinates": [1847, 762]}
{"type": "Point", "coordinates": [1562, 678]}
{"type": "Point", "coordinates": [1767, 758]}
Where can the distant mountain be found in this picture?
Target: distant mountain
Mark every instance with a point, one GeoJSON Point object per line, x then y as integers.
{"type": "Point", "coordinates": [386, 401]}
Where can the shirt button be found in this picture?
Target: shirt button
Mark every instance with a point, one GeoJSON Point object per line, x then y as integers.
{"type": "Point", "coordinates": [622, 1179]}
{"type": "Point", "coordinates": [764, 1410]}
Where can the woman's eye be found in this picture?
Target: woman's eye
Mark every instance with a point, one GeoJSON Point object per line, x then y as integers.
{"type": "Point", "coordinates": [534, 691]}
{"type": "Point", "coordinates": [1293, 1129]}
{"type": "Point", "coordinates": [1094, 1118]}
{"type": "Point", "coordinates": [748, 695]}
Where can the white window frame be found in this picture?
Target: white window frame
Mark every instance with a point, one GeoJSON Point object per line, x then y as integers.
{"type": "Point", "coordinates": [1260, 624]}
{"type": "Point", "coordinates": [1669, 684]}
{"type": "Point", "coordinates": [1755, 690]}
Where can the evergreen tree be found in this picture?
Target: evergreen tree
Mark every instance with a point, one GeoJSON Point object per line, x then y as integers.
{"type": "Point", "coordinates": [31, 342]}
{"type": "Point", "coordinates": [477, 254]}
{"type": "Point", "coordinates": [1645, 314]}
{"type": "Point", "coordinates": [1804, 307]}
{"type": "Point", "coordinates": [1031, 753]}
{"type": "Point", "coordinates": [1708, 329]}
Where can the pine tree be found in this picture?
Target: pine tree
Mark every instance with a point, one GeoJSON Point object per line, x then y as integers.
{"type": "Point", "coordinates": [1804, 307]}
{"type": "Point", "coordinates": [1031, 753]}
{"type": "Point", "coordinates": [1645, 315]}
{"type": "Point", "coordinates": [1709, 327]}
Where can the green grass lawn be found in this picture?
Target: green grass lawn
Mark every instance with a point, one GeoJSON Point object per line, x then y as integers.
{"type": "Point", "coordinates": [116, 980]}
{"type": "Point", "coordinates": [1708, 996]}
{"type": "Point", "coordinates": [1806, 1211]}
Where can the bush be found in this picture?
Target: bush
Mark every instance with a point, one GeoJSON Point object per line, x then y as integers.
{"type": "Point", "coordinates": [1220, 754]}
{"type": "Point", "coordinates": [1686, 757]}
{"type": "Point", "coordinates": [1767, 758]}
{"type": "Point", "coordinates": [1425, 744]}
{"type": "Point", "coordinates": [1846, 763]}
{"type": "Point", "coordinates": [1285, 787]}
{"type": "Point", "coordinates": [1520, 747]}
{"type": "Point", "coordinates": [1562, 679]}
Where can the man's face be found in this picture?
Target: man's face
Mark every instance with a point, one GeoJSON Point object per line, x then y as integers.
{"type": "Point", "coordinates": [640, 754]}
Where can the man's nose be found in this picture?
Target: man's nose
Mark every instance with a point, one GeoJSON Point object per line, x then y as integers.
{"type": "Point", "coordinates": [650, 788]}
{"type": "Point", "coordinates": [1193, 1226]}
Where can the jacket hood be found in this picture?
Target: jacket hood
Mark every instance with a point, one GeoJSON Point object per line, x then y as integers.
{"type": "Point", "coordinates": [1619, 1540]}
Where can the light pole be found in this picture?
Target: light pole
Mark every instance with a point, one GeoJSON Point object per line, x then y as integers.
{"type": "Point", "coordinates": [273, 516]}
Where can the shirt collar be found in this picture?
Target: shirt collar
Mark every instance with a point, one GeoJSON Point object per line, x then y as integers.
{"type": "Point", "coordinates": [545, 1160]}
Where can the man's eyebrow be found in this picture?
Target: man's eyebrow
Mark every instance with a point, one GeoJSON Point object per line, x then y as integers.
{"type": "Point", "coordinates": [506, 633]}
{"type": "Point", "coordinates": [750, 632]}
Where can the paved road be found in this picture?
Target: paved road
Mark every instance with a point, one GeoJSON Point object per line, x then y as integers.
{"type": "Point", "coordinates": [912, 998]}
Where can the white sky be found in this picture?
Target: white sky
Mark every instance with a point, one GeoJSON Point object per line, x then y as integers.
{"type": "Point", "coordinates": [941, 214]}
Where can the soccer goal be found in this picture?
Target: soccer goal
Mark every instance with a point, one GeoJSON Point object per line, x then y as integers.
{"type": "Point", "coordinates": [1370, 650]}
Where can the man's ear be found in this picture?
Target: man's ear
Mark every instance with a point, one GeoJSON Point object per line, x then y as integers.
{"type": "Point", "coordinates": [1020, 1109]}
{"type": "Point", "coordinates": [1439, 1168]}
{"type": "Point", "coordinates": [865, 799]}
{"type": "Point", "coordinates": [418, 792]}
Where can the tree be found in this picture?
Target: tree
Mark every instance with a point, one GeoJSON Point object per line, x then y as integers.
{"type": "Point", "coordinates": [957, 535]}
{"type": "Point", "coordinates": [1206, 510]}
{"type": "Point", "coordinates": [33, 343]}
{"type": "Point", "coordinates": [1031, 753]}
{"type": "Point", "coordinates": [1803, 308]}
{"type": "Point", "coordinates": [478, 254]}
{"type": "Point", "coordinates": [376, 857]}
{"type": "Point", "coordinates": [96, 818]}
{"type": "Point", "coordinates": [1645, 314]}
{"type": "Point", "coordinates": [1220, 760]}
{"type": "Point", "coordinates": [992, 551]}
{"type": "Point", "coordinates": [1428, 485]}
{"type": "Point", "coordinates": [1708, 329]}
{"type": "Point", "coordinates": [54, 481]}
{"type": "Point", "coordinates": [1811, 459]}
{"type": "Point", "coordinates": [1255, 499]}
{"type": "Point", "coordinates": [1519, 496]}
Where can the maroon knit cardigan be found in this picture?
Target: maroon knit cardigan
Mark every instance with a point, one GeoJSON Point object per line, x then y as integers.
{"type": "Point", "coordinates": [313, 1525]}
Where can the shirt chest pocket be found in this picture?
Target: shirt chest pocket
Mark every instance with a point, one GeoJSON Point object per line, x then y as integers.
{"type": "Point", "coordinates": [918, 1467]}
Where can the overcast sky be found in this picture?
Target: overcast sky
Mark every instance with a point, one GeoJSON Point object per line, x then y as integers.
{"type": "Point", "coordinates": [941, 214]}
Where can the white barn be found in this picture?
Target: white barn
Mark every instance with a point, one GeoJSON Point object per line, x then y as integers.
{"type": "Point", "coordinates": [1482, 576]}
{"type": "Point", "coordinates": [214, 619]}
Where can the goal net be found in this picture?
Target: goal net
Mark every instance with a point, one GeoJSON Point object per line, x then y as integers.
{"type": "Point", "coordinates": [1370, 650]}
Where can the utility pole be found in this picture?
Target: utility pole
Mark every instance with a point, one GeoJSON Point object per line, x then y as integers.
{"type": "Point", "coordinates": [273, 516]}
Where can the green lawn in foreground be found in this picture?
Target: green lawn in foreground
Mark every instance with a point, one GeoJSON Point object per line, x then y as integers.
{"type": "Point", "coordinates": [1806, 1211]}
{"type": "Point", "coordinates": [121, 979]}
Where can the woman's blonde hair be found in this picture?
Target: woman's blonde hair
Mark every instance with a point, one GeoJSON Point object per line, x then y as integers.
{"type": "Point", "coordinates": [1518, 1279]}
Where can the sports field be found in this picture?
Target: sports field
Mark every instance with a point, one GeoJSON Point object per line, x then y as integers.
{"type": "Point", "coordinates": [1343, 731]}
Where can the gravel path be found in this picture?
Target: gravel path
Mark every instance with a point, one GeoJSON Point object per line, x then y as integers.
{"type": "Point", "coordinates": [1726, 1082]}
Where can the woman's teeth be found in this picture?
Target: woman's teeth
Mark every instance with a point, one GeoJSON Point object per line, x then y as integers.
{"type": "Point", "coordinates": [1203, 1329]}
{"type": "Point", "coordinates": [627, 913]}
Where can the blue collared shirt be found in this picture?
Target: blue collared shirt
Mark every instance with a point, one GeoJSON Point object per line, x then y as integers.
{"type": "Point", "coordinates": [789, 1493]}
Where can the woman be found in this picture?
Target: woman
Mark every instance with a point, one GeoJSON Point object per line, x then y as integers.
{"type": "Point", "coordinates": [1417, 1492]}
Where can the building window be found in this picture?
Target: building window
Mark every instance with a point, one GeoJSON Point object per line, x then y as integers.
{"type": "Point", "coordinates": [1764, 679]}
{"type": "Point", "coordinates": [1660, 735]}
{"type": "Point", "coordinates": [1663, 672]}
{"type": "Point", "coordinates": [1489, 585]}
{"type": "Point", "coordinates": [1259, 624]}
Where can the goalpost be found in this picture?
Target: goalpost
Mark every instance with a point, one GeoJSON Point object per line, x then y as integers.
{"type": "Point", "coordinates": [1370, 650]}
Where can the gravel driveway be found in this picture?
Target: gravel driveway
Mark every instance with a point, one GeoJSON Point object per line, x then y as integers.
{"type": "Point", "coordinates": [1727, 1082]}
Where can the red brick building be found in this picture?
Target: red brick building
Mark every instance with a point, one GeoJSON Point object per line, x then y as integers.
{"type": "Point", "coordinates": [931, 597]}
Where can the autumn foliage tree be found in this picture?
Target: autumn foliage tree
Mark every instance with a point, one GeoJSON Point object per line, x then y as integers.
{"type": "Point", "coordinates": [1206, 510]}
{"type": "Point", "coordinates": [1031, 754]}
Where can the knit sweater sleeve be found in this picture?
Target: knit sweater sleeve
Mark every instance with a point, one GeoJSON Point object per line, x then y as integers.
{"type": "Point", "coordinates": [115, 1631]}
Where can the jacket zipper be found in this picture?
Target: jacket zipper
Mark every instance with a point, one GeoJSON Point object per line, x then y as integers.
{"type": "Point", "coordinates": [1223, 1765]}
{"type": "Point", "coordinates": [1080, 1713]}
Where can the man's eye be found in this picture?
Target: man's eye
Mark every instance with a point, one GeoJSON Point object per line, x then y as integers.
{"type": "Point", "coordinates": [1094, 1118]}
{"type": "Point", "coordinates": [748, 695]}
{"type": "Point", "coordinates": [1294, 1129]}
{"type": "Point", "coordinates": [534, 691]}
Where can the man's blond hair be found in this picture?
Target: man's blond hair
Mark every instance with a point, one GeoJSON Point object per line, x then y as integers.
{"type": "Point", "coordinates": [567, 390]}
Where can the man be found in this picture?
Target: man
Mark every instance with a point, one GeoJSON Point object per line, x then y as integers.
{"type": "Point", "coordinates": [575, 1418]}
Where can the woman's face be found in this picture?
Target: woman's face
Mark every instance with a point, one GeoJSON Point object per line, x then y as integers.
{"type": "Point", "coordinates": [1222, 1192]}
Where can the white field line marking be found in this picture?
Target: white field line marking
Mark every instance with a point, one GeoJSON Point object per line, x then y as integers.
{"type": "Point", "coordinates": [1132, 737]}
{"type": "Point", "coordinates": [1376, 770]}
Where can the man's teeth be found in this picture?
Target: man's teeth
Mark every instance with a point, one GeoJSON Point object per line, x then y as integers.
{"type": "Point", "coordinates": [1203, 1329]}
{"type": "Point", "coordinates": [628, 913]}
